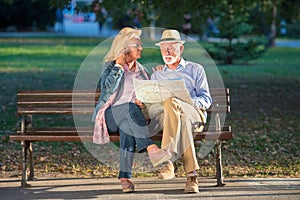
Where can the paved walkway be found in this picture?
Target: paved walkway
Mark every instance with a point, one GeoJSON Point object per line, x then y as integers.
{"type": "Point", "coordinates": [90, 29]}
{"type": "Point", "coordinates": [288, 43]}
{"type": "Point", "coordinates": [150, 188]}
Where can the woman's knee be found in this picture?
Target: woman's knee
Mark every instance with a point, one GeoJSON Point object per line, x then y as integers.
{"type": "Point", "coordinates": [127, 142]}
{"type": "Point", "coordinates": [136, 115]}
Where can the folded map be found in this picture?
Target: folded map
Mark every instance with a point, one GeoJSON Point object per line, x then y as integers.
{"type": "Point", "coordinates": [154, 91]}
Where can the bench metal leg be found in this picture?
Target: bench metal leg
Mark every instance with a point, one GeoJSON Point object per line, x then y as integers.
{"type": "Point", "coordinates": [26, 149]}
{"type": "Point", "coordinates": [30, 154]}
{"type": "Point", "coordinates": [24, 158]}
{"type": "Point", "coordinates": [219, 170]}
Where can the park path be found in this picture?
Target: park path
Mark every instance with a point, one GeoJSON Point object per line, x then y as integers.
{"type": "Point", "coordinates": [151, 188]}
{"type": "Point", "coordinates": [90, 29]}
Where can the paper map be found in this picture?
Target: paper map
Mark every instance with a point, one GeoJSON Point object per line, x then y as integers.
{"type": "Point", "coordinates": [153, 91]}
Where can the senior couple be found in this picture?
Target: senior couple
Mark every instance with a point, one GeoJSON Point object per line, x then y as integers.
{"type": "Point", "coordinates": [118, 110]}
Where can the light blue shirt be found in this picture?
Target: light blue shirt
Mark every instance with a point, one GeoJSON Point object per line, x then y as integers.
{"type": "Point", "coordinates": [195, 79]}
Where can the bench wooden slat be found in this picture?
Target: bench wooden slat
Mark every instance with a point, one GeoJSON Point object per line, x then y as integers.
{"type": "Point", "coordinates": [57, 92]}
{"type": "Point", "coordinates": [83, 101]}
{"type": "Point", "coordinates": [213, 91]}
{"type": "Point", "coordinates": [87, 110]}
{"type": "Point", "coordinates": [74, 137]}
{"type": "Point", "coordinates": [220, 100]}
{"type": "Point", "coordinates": [61, 94]}
{"type": "Point", "coordinates": [28, 99]}
{"type": "Point", "coordinates": [86, 134]}
{"type": "Point", "coordinates": [113, 138]}
{"type": "Point", "coordinates": [89, 130]}
{"type": "Point", "coordinates": [56, 102]}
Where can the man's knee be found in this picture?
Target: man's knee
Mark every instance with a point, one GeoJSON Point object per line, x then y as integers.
{"type": "Point", "coordinates": [171, 103]}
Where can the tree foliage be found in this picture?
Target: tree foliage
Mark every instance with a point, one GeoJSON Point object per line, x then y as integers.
{"type": "Point", "coordinates": [236, 31]}
{"type": "Point", "coordinates": [25, 15]}
{"type": "Point", "coordinates": [237, 20]}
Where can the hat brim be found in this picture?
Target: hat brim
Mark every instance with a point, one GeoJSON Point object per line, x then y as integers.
{"type": "Point", "coordinates": [170, 41]}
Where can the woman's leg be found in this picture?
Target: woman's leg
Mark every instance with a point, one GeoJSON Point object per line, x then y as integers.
{"type": "Point", "coordinates": [131, 121]}
{"type": "Point", "coordinates": [127, 150]}
{"type": "Point", "coordinates": [140, 127]}
{"type": "Point", "coordinates": [141, 134]}
{"type": "Point", "coordinates": [127, 145]}
{"type": "Point", "coordinates": [133, 127]}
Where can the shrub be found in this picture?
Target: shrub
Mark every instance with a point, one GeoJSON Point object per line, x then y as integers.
{"type": "Point", "coordinates": [293, 30]}
{"type": "Point", "coordinates": [227, 52]}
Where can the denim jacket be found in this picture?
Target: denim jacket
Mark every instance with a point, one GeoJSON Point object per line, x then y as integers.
{"type": "Point", "coordinates": [109, 83]}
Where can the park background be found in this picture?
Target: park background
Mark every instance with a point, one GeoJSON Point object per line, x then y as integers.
{"type": "Point", "coordinates": [264, 80]}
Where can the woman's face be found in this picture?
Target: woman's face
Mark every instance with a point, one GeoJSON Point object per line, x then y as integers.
{"type": "Point", "coordinates": [133, 50]}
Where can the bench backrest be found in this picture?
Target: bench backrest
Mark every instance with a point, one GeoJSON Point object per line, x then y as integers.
{"type": "Point", "coordinates": [83, 102]}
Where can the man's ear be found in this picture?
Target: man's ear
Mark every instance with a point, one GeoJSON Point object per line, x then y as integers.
{"type": "Point", "coordinates": [181, 49]}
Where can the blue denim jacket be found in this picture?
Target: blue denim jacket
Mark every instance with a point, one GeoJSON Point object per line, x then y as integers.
{"type": "Point", "coordinates": [109, 83]}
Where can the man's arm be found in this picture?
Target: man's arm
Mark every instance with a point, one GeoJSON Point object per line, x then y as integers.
{"type": "Point", "coordinates": [203, 99]}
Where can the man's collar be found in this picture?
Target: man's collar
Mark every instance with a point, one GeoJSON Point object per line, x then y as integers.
{"type": "Point", "coordinates": [180, 65]}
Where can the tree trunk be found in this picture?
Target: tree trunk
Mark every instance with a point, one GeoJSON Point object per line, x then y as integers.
{"type": "Point", "coordinates": [273, 25]}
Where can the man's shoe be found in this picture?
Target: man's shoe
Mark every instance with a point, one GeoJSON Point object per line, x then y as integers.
{"type": "Point", "coordinates": [167, 172]}
{"type": "Point", "coordinates": [191, 185]}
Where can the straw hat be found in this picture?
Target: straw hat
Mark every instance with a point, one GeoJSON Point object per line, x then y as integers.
{"type": "Point", "coordinates": [170, 35]}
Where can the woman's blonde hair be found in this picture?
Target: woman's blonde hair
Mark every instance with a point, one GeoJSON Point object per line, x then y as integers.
{"type": "Point", "coordinates": [120, 42]}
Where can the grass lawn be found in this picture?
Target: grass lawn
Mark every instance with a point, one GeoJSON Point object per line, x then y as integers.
{"type": "Point", "coordinates": [264, 118]}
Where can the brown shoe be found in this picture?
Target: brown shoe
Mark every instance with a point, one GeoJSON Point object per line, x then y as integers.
{"type": "Point", "coordinates": [167, 172]}
{"type": "Point", "coordinates": [127, 185]}
{"type": "Point", "coordinates": [191, 185]}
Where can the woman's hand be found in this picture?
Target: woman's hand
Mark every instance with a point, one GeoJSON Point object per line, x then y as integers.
{"type": "Point", "coordinates": [121, 60]}
{"type": "Point", "coordinates": [157, 68]}
{"type": "Point", "coordinates": [139, 103]}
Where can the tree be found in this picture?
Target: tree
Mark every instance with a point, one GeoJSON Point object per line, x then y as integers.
{"type": "Point", "coordinates": [235, 31]}
{"type": "Point", "coordinates": [25, 14]}
{"type": "Point", "coordinates": [267, 14]}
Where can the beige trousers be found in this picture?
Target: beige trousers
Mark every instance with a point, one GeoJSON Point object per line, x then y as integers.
{"type": "Point", "coordinates": [179, 121]}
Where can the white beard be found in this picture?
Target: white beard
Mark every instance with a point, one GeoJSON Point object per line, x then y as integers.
{"type": "Point", "coordinates": [170, 59]}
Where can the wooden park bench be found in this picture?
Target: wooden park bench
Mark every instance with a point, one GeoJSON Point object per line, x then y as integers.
{"type": "Point", "coordinates": [67, 102]}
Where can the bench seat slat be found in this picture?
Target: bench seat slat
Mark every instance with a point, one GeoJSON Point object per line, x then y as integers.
{"type": "Point", "coordinates": [86, 134]}
{"type": "Point", "coordinates": [90, 129]}
{"type": "Point", "coordinates": [223, 135]}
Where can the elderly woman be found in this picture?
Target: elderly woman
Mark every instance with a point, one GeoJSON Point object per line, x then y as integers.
{"type": "Point", "coordinates": [119, 110]}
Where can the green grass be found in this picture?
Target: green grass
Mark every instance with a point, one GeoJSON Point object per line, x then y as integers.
{"type": "Point", "coordinates": [277, 63]}
{"type": "Point", "coordinates": [264, 118]}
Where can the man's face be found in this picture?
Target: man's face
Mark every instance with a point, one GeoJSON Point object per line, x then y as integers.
{"type": "Point", "coordinates": [171, 52]}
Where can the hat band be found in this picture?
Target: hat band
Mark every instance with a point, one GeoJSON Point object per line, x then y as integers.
{"type": "Point", "coordinates": [170, 39]}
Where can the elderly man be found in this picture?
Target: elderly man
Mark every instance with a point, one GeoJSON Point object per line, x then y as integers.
{"type": "Point", "coordinates": [180, 119]}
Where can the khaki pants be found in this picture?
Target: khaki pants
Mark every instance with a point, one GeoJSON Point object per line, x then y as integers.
{"type": "Point", "coordinates": [179, 120]}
